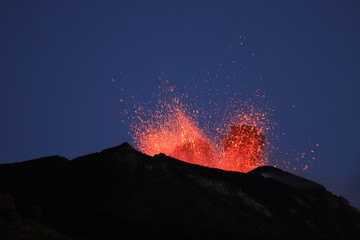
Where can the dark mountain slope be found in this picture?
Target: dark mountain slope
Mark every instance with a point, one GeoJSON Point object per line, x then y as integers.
{"type": "Point", "coordinates": [122, 193]}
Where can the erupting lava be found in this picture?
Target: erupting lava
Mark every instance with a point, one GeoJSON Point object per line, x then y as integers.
{"type": "Point", "coordinates": [243, 148]}
{"type": "Point", "coordinates": [239, 145]}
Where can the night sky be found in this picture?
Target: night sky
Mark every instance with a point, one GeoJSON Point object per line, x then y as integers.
{"type": "Point", "coordinates": [65, 65]}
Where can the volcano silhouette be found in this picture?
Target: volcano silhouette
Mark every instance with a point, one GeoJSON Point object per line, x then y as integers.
{"type": "Point", "coordinates": [120, 193]}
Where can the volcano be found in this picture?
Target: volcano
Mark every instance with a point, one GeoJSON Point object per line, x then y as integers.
{"type": "Point", "coordinates": [121, 193]}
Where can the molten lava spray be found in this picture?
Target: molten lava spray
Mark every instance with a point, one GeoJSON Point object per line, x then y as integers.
{"type": "Point", "coordinates": [243, 148]}
{"type": "Point", "coordinates": [173, 129]}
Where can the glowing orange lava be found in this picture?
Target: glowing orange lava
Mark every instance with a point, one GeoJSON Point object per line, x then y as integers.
{"type": "Point", "coordinates": [243, 148]}
{"type": "Point", "coordinates": [172, 130]}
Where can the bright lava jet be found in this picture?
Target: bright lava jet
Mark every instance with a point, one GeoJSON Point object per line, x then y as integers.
{"type": "Point", "coordinates": [172, 130]}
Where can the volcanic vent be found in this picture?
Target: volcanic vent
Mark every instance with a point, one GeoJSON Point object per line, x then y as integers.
{"type": "Point", "coordinates": [120, 193]}
{"type": "Point", "coordinates": [239, 143]}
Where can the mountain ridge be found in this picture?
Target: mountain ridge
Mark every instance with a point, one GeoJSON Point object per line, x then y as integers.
{"type": "Point", "coordinates": [121, 192]}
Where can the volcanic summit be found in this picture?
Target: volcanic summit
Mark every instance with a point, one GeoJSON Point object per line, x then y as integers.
{"type": "Point", "coordinates": [121, 193]}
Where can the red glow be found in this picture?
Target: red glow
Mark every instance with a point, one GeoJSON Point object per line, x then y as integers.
{"type": "Point", "coordinates": [243, 148]}
{"type": "Point", "coordinates": [172, 130]}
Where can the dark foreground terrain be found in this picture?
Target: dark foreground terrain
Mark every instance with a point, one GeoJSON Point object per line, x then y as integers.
{"type": "Point", "coordinates": [121, 193]}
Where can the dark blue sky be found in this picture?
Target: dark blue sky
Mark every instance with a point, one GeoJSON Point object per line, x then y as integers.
{"type": "Point", "coordinates": [58, 59]}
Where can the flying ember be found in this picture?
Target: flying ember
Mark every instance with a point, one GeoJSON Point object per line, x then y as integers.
{"type": "Point", "coordinates": [237, 143]}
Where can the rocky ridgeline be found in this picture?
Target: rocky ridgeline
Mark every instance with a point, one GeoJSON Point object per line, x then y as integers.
{"type": "Point", "coordinates": [121, 193]}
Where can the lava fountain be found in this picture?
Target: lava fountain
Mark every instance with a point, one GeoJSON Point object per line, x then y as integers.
{"type": "Point", "coordinates": [173, 129]}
